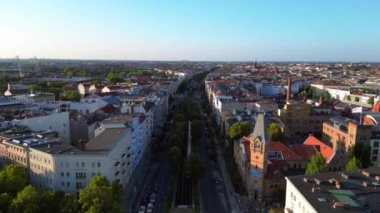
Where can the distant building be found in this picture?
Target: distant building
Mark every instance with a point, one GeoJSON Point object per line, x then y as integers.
{"type": "Point", "coordinates": [356, 191]}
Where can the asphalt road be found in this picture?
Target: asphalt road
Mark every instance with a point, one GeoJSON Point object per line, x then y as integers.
{"type": "Point", "coordinates": [211, 193]}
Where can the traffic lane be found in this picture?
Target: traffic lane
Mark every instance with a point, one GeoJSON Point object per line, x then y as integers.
{"type": "Point", "coordinates": [210, 196]}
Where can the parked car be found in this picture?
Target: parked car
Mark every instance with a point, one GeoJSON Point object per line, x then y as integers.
{"type": "Point", "coordinates": [156, 188]}
{"type": "Point", "coordinates": [217, 181]}
{"type": "Point", "coordinates": [149, 209]}
{"type": "Point", "coordinates": [142, 209]}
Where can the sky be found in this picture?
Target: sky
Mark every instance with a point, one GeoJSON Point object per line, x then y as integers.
{"type": "Point", "coordinates": [206, 30]}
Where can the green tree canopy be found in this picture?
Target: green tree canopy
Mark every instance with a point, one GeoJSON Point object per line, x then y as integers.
{"type": "Point", "coordinates": [27, 201]}
{"type": "Point", "coordinates": [70, 204]}
{"type": "Point", "coordinates": [317, 165]}
{"type": "Point", "coordinates": [356, 99]}
{"type": "Point", "coordinates": [363, 153]}
{"type": "Point", "coordinates": [196, 130]}
{"type": "Point", "coordinates": [238, 130]}
{"type": "Point", "coordinates": [371, 100]}
{"type": "Point", "coordinates": [13, 179]}
{"type": "Point", "coordinates": [353, 164]}
{"type": "Point", "coordinates": [72, 95]}
{"type": "Point", "coordinates": [98, 196]}
{"type": "Point", "coordinates": [5, 201]}
{"type": "Point", "coordinates": [195, 167]}
{"type": "Point", "coordinates": [274, 131]}
{"type": "Point", "coordinates": [175, 158]}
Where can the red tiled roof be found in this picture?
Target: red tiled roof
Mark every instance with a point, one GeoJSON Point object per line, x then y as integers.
{"type": "Point", "coordinates": [326, 151]}
{"type": "Point", "coordinates": [286, 152]}
{"type": "Point", "coordinates": [376, 107]}
{"type": "Point", "coordinates": [304, 151]}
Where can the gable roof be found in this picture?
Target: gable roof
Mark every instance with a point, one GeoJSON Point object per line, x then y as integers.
{"type": "Point", "coordinates": [304, 151]}
{"type": "Point", "coordinates": [260, 131]}
{"type": "Point", "coordinates": [287, 154]}
{"type": "Point", "coordinates": [326, 151]}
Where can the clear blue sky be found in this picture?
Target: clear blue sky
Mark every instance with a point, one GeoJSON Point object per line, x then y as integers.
{"type": "Point", "coordinates": [316, 30]}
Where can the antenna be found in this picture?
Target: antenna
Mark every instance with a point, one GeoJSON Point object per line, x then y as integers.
{"type": "Point", "coordinates": [21, 74]}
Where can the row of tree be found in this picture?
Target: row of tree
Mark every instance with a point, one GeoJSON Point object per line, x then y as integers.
{"type": "Point", "coordinates": [16, 195]}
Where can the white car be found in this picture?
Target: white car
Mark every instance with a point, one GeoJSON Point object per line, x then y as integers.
{"type": "Point", "coordinates": [142, 209]}
{"type": "Point", "coordinates": [150, 208]}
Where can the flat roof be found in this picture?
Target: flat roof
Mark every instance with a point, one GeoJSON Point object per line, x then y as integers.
{"type": "Point", "coordinates": [352, 193]}
{"type": "Point", "coordinates": [107, 139]}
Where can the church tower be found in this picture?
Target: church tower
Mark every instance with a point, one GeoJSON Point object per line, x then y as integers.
{"type": "Point", "coordinates": [259, 141]}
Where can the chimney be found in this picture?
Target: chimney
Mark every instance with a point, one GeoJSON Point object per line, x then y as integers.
{"type": "Point", "coordinates": [81, 145]}
{"type": "Point", "coordinates": [289, 92]}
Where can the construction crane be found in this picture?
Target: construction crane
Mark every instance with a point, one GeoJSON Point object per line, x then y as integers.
{"type": "Point", "coordinates": [21, 74]}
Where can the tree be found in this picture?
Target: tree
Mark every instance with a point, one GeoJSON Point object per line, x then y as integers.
{"type": "Point", "coordinates": [196, 130]}
{"type": "Point", "coordinates": [371, 100]}
{"type": "Point", "coordinates": [98, 196]}
{"type": "Point", "coordinates": [5, 201]}
{"type": "Point", "coordinates": [175, 158]}
{"type": "Point", "coordinates": [274, 131]}
{"type": "Point", "coordinates": [72, 95]}
{"type": "Point", "coordinates": [117, 191]}
{"type": "Point", "coordinates": [317, 165]}
{"type": "Point", "coordinates": [354, 164]}
{"type": "Point", "coordinates": [69, 204]}
{"type": "Point", "coordinates": [349, 98]}
{"type": "Point", "coordinates": [51, 201]}
{"type": "Point", "coordinates": [363, 153]}
{"type": "Point", "coordinates": [113, 78]}
{"type": "Point", "coordinates": [195, 167]}
{"type": "Point", "coordinates": [28, 201]}
{"type": "Point", "coordinates": [13, 179]}
{"type": "Point", "coordinates": [238, 130]}
{"type": "Point", "coordinates": [356, 99]}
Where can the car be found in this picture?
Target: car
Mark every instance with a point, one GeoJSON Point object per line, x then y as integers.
{"type": "Point", "coordinates": [156, 188]}
{"type": "Point", "coordinates": [149, 209]}
{"type": "Point", "coordinates": [217, 181]}
{"type": "Point", "coordinates": [152, 200]}
{"type": "Point", "coordinates": [153, 195]}
{"type": "Point", "coordinates": [142, 209]}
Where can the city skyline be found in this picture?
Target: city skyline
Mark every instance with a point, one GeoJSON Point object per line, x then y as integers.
{"type": "Point", "coordinates": [195, 31]}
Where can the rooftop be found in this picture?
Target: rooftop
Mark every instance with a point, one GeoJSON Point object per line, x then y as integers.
{"type": "Point", "coordinates": [107, 139]}
{"type": "Point", "coordinates": [355, 191]}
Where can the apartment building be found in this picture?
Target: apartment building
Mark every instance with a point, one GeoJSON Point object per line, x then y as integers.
{"type": "Point", "coordinates": [342, 133]}
{"type": "Point", "coordinates": [356, 191]}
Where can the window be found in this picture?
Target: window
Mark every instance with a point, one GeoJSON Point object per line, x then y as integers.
{"type": "Point", "coordinates": [93, 174]}
{"type": "Point", "coordinates": [98, 164]}
{"type": "Point", "coordinates": [68, 184]}
{"type": "Point", "coordinates": [80, 185]}
{"type": "Point", "coordinates": [376, 144]}
{"type": "Point", "coordinates": [80, 175]}
{"type": "Point", "coordinates": [99, 173]}
{"type": "Point", "coordinates": [83, 164]}
{"type": "Point", "coordinates": [375, 151]}
{"type": "Point", "coordinates": [62, 184]}
{"type": "Point", "coordinates": [62, 174]}
{"type": "Point", "coordinates": [93, 165]}
{"type": "Point", "coordinates": [374, 158]}
{"type": "Point", "coordinates": [68, 174]}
